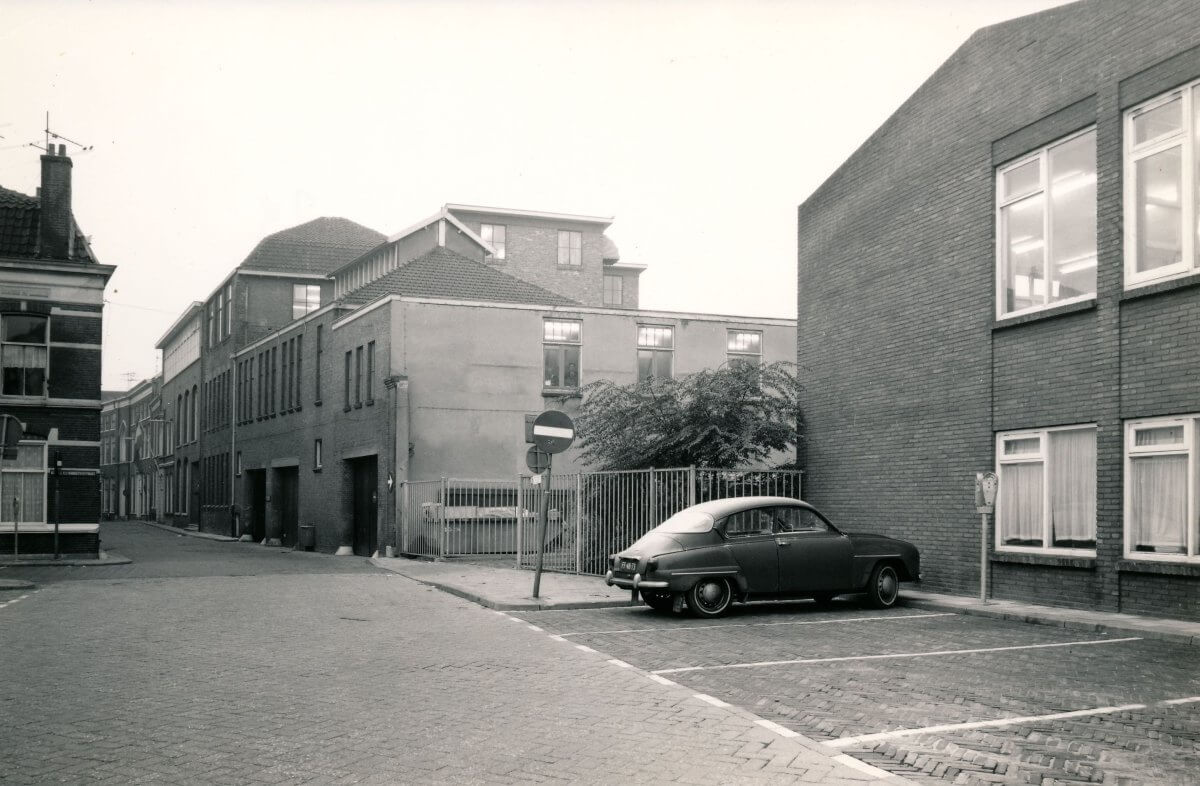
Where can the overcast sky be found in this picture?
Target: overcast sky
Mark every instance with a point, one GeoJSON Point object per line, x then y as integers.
{"type": "Point", "coordinates": [699, 126]}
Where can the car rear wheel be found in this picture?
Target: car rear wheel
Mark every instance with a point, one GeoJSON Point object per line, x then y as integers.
{"type": "Point", "coordinates": [659, 600]}
{"type": "Point", "coordinates": [884, 587]}
{"type": "Point", "coordinates": [710, 597]}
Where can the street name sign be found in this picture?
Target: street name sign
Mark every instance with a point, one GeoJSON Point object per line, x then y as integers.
{"type": "Point", "coordinates": [553, 431]}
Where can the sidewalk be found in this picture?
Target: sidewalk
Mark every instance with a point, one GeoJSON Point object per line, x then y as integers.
{"type": "Point", "coordinates": [64, 561]}
{"type": "Point", "coordinates": [509, 589]}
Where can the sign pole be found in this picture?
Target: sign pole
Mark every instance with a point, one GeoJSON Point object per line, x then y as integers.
{"type": "Point", "coordinates": [983, 559]}
{"type": "Point", "coordinates": [543, 515]}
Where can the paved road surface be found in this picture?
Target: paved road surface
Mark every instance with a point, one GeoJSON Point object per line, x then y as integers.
{"type": "Point", "coordinates": [229, 663]}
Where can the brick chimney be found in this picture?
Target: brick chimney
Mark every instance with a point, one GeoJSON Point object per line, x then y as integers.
{"type": "Point", "coordinates": [56, 230]}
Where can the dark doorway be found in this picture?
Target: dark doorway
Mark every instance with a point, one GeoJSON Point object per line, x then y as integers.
{"type": "Point", "coordinates": [288, 488]}
{"type": "Point", "coordinates": [365, 496]}
{"type": "Point", "coordinates": [257, 492]}
{"type": "Point", "coordinates": [194, 483]}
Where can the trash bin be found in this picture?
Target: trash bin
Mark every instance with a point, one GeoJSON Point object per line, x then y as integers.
{"type": "Point", "coordinates": [308, 537]}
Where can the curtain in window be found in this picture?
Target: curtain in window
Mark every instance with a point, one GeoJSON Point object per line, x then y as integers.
{"type": "Point", "coordinates": [1021, 503]}
{"type": "Point", "coordinates": [25, 489]}
{"type": "Point", "coordinates": [1158, 503]}
{"type": "Point", "coordinates": [1073, 487]}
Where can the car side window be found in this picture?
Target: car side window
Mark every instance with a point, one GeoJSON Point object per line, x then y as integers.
{"type": "Point", "coordinates": [799, 520]}
{"type": "Point", "coordinates": [756, 521]}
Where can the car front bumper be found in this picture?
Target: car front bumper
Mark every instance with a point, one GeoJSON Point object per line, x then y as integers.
{"type": "Point", "coordinates": [632, 583]}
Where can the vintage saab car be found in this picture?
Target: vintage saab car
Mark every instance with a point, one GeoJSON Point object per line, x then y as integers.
{"type": "Point", "coordinates": [758, 548]}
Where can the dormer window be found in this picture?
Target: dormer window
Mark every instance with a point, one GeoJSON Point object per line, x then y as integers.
{"type": "Point", "coordinates": [570, 248]}
{"type": "Point", "coordinates": [494, 236]}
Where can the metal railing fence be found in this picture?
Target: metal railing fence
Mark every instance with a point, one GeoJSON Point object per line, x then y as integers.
{"type": "Point", "coordinates": [591, 514]}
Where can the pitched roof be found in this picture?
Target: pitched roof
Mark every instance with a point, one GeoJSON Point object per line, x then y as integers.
{"type": "Point", "coordinates": [443, 273]}
{"type": "Point", "coordinates": [19, 216]}
{"type": "Point", "coordinates": [319, 246]}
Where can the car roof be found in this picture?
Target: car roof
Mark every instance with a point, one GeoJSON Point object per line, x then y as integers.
{"type": "Point", "coordinates": [719, 508]}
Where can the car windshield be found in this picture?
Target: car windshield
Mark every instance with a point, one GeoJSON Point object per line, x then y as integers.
{"type": "Point", "coordinates": [686, 521]}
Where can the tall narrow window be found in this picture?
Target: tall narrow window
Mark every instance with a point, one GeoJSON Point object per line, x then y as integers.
{"type": "Point", "coordinates": [371, 372]}
{"type": "Point", "coordinates": [349, 361]}
{"type": "Point", "coordinates": [220, 326]}
{"type": "Point", "coordinates": [1162, 187]}
{"type": "Point", "coordinates": [745, 347]}
{"type": "Point", "coordinates": [318, 459]}
{"type": "Point", "coordinates": [494, 235]}
{"type": "Point", "coordinates": [562, 341]}
{"type": "Point", "coordinates": [1047, 489]}
{"type": "Point", "coordinates": [614, 294]}
{"type": "Point", "coordinates": [317, 371]}
{"type": "Point", "coordinates": [570, 247]}
{"type": "Point", "coordinates": [358, 371]}
{"type": "Point", "coordinates": [1161, 489]}
{"type": "Point", "coordinates": [306, 298]}
{"type": "Point", "coordinates": [24, 354]}
{"type": "Point", "coordinates": [655, 352]}
{"type": "Point", "coordinates": [1046, 224]}
{"type": "Point", "coordinates": [212, 323]}
{"type": "Point", "coordinates": [299, 367]}
{"type": "Point", "coordinates": [228, 309]}
{"type": "Point", "coordinates": [284, 375]}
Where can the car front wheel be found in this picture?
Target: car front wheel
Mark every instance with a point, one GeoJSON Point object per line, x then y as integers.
{"type": "Point", "coordinates": [710, 597]}
{"type": "Point", "coordinates": [659, 600]}
{"type": "Point", "coordinates": [884, 587]}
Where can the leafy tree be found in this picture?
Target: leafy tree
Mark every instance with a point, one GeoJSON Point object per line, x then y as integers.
{"type": "Point", "coordinates": [725, 417]}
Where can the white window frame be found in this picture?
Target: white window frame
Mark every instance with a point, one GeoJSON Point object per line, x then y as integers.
{"type": "Point", "coordinates": [318, 455]}
{"type": "Point", "coordinates": [734, 354]}
{"type": "Point", "coordinates": [1190, 423]}
{"type": "Point", "coordinates": [570, 234]}
{"type": "Point", "coordinates": [1042, 457]}
{"type": "Point", "coordinates": [488, 233]}
{"type": "Point", "coordinates": [45, 392]}
{"type": "Point", "coordinates": [1134, 153]}
{"type": "Point", "coordinates": [614, 295]}
{"type": "Point", "coordinates": [556, 342]}
{"type": "Point", "coordinates": [640, 347]}
{"type": "Point", "coordinates": [6, 511]}
{"type": "Point", "coordinates": [308, 304]}
{"type": "Point", "coordinates": [1042, 155]}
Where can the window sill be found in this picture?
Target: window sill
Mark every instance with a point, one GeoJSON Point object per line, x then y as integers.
{"type": "Point", "coordinates": [317, 403]}
{"type": "Point", "coordinates": [370, 402]}
{"type": "Point", "coordinates": [1163, 568]}
{"type": "Point", "coordinates": [576, 268]}
{"type": "Point", "coordinates": [346, 408]}
{"type": "Point", "coordinates": [1137, 291]}
{"type": "Point", "coordinates": [1048, 313]}
{"type": "Point", "coordinates": [317, 469]}
{"type": "Point", "coordinates": [1044, 560]}
{"type": "Point", "coordinates": [358, 405]}
{"type": "Point", "coordinates": [550, 392]}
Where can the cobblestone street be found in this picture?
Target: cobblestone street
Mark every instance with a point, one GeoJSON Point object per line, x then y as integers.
{"type": "Point", "coordinates": [229, 663]}
{"type": "Point", "coordinates": [930, 696]}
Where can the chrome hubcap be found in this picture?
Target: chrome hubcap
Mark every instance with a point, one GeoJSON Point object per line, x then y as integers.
{"type": "Point", "coordinates": [712, 594]}
{"type": "Point", "coordinates": [887, 585]}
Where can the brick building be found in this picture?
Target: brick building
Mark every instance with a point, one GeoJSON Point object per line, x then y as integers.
{"type": "Point", "coordinates": [51, 304]}
{"type": "Point", "coordinates": [180, 348]}
{"type": "Point", "coordinates": [132, 442]}
{"type": "Point", "coordinates": [436, 345]}
{"type": "Point", "coordinates": [1006, 277]}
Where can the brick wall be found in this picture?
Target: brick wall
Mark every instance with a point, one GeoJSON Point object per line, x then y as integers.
{"type": "Point", "coordinates": [908, 376]}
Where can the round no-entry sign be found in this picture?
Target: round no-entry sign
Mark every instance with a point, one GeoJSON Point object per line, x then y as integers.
{"type": "Point", "coordinates": [553, 431]}
{"type": "Point", "coordinates": [537, 460]}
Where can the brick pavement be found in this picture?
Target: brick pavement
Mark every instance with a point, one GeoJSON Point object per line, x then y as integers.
{"type": "Point", "coordinates": [317, 676]}
{"type": "Point", "coordinates": [827, 701]}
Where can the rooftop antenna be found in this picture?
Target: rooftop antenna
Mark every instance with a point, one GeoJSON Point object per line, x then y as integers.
{"type": "Point", "coordinates": [129, 377]}
{"type": "Point", "coordinates": [49, 148]}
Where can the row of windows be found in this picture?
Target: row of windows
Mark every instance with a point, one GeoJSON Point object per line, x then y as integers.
{"type": "Point", "coordinates": [268, 383]}
{"type": "Point", "coordinates": [186, 405]}
{"type": "Point", "coordinates": [1046, 208]}
{"type": "Point", "coordinates": [358, 360]}
{"type": "Point", "coordinates": [570, 243]}
{"type": "Point", "coordinates": [1047, 498]}
{"type": "Point", "coordinates": [562, 342]}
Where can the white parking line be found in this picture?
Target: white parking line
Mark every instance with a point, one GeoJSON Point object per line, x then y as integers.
{"type": "Point", "coordinates": [895, 655]}
{"type": "Point", "coordinates": [782, 731]}
{"type": "Point", "coordinates": [535, 627]}
{"type": "Point", "coordinates": [887, 618]}
{"type": "Point", "coordinates": [710, 699]}
{"type": "Point", "coordinates": [17, 599]}
{"type": "Point", "coordinates": [586, 649]}
{"type": "Point", "coordinates": [1188, 700]}
{"type": "Point", "coordinates": [661, 680]}
{"type": "Point", "coordinates": [620, 663]}
{"type": "Point", "coordinates": [845, 742]}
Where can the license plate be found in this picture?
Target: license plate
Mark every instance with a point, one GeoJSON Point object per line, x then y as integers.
{"type": "Point", "coordinates": [629, 565]}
